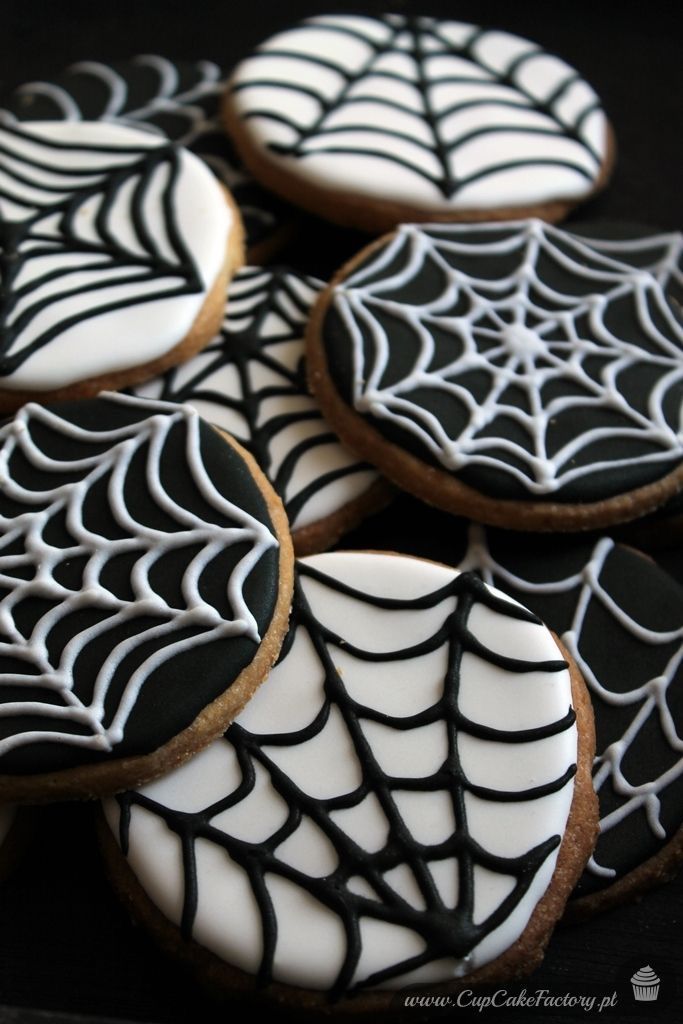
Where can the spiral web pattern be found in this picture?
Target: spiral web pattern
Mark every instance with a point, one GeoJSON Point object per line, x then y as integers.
{"type": "Point", "coordinates": [446, 931]}
{"type": "Point", "coordinates": [510, 356]}
{"type": "Point", "coordinates": [91, 90]}
{"type": "Point", "coordinates": [54, 523]}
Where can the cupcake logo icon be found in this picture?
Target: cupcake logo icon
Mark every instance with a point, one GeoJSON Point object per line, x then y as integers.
{"type": "Point", "coordinates": [645, 985]}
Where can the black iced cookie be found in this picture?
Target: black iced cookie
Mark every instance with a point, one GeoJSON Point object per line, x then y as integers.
{"type": "Point", "coordinates": [145, 574]}
{"type": "Point", "coordinates": [520, 374]}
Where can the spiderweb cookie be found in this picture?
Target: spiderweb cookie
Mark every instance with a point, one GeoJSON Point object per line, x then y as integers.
{"type": "Point", "coordinates": [406, 801]}
{"type": "Point", "coordinates": [145, 582]}
{"type": "Point", "coordinates": [520, 374]}
{"type": "Point", "coordinates": [116, 249]}
{"type": "Point", "coordinates": [177, 99]}
{"type": "Point", "coordinates": [371, 121]}
{"type": "Point", "coordinates": [251, 381]}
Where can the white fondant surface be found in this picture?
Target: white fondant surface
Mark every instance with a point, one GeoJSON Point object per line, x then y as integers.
{"type": "Point", "coordinates": [57, 699]}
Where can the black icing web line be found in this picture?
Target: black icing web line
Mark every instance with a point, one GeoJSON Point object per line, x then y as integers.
{"type": "Point", "coordinates": [520, 334]}
{"type": "Point", "coordinates": [49, 621]}
{"type": "Point", "coordinates": [446, 932]}
{"type": "Point", "coordinates": [184, 111]}
{"type": "Point", "coordinates": [427, 41]}
{"type": "Point", "coordinates": [648, 697]}
{"type": "Point", "coordinates": [248, 341]}
{"type": "Point", "coordinates": [50, 226]}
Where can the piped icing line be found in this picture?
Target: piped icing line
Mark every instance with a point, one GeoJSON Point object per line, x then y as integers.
{"type": "Point", "coordinates": [336, 597]}
{"type": "Point", "coordinates": [185, 103]}
{"type": "Point", "coordinates": [459, 113]}
{"type": "Point", "coordinates": [196, 621]}
{"type": "Point", "coordinates": [650, 697]}
{"type": "Point", "coordinates": [251, 381]}
{"type": "Point", "coordinates": [100, 223]}
{"type": "Point", "coordinates": [518, 331]}
{"type": "Point", "coordinates": [169, 96]}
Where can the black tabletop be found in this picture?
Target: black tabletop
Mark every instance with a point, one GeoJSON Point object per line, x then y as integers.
{"type": "Point", "coordinates": [66, 946]}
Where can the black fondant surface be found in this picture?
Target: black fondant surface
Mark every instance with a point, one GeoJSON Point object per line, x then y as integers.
{"type": "Point", "coordinates": [175, 692]}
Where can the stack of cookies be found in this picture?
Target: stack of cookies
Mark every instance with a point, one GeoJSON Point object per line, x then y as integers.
{"type": "Point", "coordinates": [328, 778]}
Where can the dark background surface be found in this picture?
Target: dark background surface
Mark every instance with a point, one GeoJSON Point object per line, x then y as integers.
{"type": "Point", "coordinates": [65, 944]}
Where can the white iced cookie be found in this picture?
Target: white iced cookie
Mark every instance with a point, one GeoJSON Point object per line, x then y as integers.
{"type": "Point", "coordinates": [116, 248]}
{"type": "Point", "coordinates": [404, 802]}
{"type": "Point", "coordinates": [374, 120]}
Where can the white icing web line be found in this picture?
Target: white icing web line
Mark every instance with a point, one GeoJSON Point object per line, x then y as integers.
{"type": "Point", "coordinates": [151, 543]}
{"type": "Point", "coordinates": [168, 97]}
{"type": "Point", "coordinates": [651, 695]}
{"type": "Point", "coordinates": [498, 311]}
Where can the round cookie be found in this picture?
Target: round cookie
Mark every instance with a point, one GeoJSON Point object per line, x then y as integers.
{"type": "Point", "coordinates": [519, 374]}
{"type": "Point", "coordinates": [145, 584]}
{"type": "Point", "coordinates": [115, 251]}
{"type": "Point", "coordinates": [179, 99]}
{"type": "Point", "coordinates": [372, 121]}
{"type": "Point", "coordinates": [621, 618]}
{"type": "Point", "coordinates": [251, 381]}
{"type": "Point", "coordinates": [407, 801]}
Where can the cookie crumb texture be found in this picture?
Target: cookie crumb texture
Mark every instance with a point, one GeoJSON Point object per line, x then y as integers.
{"type": "Point", "coordinates": [112, 242]}
{"type": "Point", "coordinates": [373, 120]}
{"type": "Point", "coordinates": [388, 810]}
{"type": "Point", "coordinates": [520, 374]}
{"type": "Point", "coordinates": [139, 577]}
